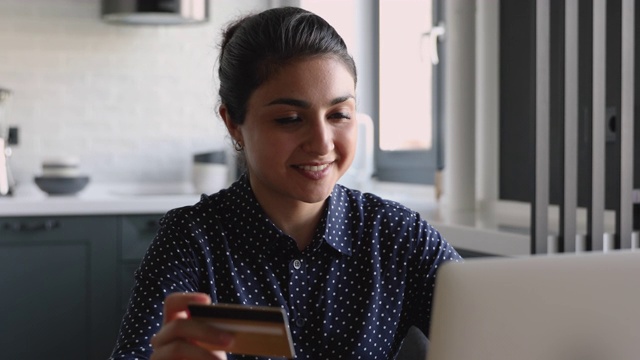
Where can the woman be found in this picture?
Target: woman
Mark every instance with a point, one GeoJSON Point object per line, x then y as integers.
{"type": "Point", "coordinates": [352, 271]}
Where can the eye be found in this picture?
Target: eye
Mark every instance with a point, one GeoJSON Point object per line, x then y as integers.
{"type": "Point", "coordinates": [340, 116]}
{"type": "Point", "coordinates": [288, 120]}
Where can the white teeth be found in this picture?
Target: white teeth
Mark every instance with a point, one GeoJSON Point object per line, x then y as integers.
{"type": "Point", "coordinates": [314, 168]}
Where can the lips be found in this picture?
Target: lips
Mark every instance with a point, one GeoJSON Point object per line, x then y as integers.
{"type": "Point", "coordinates": [315, 171]}
{"type": "Point", "coordinates": [313, 167]}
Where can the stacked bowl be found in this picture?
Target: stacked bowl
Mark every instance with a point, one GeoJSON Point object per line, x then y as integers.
{"type": "Point", "coordinates": [61, 176]}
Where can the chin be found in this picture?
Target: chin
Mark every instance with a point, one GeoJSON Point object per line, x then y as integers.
{"type": "Point", "coordinates": [317, 196]}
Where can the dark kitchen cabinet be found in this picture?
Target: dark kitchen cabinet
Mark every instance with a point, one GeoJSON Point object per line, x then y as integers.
{"type": "Point", "coordinates": [66, 282]}
{"type": "Point", "coordinates": [59, 287]}
{"type": "Point", "coordinates": [136, 233]}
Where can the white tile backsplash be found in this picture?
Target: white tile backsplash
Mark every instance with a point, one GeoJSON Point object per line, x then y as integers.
{"type": "Point", "coordinates": [134, 103]}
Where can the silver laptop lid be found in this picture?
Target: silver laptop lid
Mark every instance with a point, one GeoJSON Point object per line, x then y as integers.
{"type": "Point", "coordinates": [574, 306]}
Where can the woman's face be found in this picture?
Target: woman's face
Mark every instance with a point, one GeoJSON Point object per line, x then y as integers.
{"type": "Point", "coordinates": [300, 132]}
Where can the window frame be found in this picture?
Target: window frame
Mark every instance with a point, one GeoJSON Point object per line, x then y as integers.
{"type": "Point", "coordinates": [413, 166]}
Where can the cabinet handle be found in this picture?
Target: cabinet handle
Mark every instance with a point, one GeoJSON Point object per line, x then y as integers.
{"type": "Point", "coordinates": [46, 225]}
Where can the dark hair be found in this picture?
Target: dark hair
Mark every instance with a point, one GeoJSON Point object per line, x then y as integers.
{"type": "Point", "coordinates": [257, 46]}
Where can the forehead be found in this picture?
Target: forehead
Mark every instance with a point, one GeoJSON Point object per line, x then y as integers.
{"type": "Point", "coordinates": [274, 67]}
{"type": "Point", "coordinates": [313, 76]}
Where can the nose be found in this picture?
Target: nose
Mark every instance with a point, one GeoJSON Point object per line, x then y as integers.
{"type": "Point", "coordinates": [319, 137]}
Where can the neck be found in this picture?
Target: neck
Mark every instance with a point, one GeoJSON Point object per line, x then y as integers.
{"type": "Point", "coordinates": [297, 219]}
{"type": "Point", "coordinates": [300, 223]}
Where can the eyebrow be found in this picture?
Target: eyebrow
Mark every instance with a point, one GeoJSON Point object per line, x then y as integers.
{"type": "Point", "coordinates": [306, 104]}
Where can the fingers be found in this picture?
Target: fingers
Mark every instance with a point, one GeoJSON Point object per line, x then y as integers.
{"type": "Point", "coordinates": [192, 331]}
{"type": "Point", "coordinates": [175, 305]}
{"type": "Point", "coordinates": [179, 336]}
{"type": "Point", "coordinates": [186, 350]}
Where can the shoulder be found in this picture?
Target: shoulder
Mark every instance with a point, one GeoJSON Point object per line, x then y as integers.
{"type": "Point", "coordinates": [205, 211]}
{"type": "Point", "coordinates": [370, 204]}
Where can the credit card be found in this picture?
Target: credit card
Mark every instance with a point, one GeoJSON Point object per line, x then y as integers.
{"type": "Point", "coordinates": [258, 330]}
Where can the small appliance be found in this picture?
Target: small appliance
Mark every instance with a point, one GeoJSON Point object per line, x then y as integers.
{"type": "Point", "coordinates": [7, 182]}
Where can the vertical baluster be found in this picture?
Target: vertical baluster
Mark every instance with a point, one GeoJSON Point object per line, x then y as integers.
{"type": "Point", "coordinates": [540, 206]}
{"type": "Point", "coordinates": [624, 223]}
{"type": "Point", "coordinates": [570, 199]}
{"type": "Point", "coordinates": [596, 210]}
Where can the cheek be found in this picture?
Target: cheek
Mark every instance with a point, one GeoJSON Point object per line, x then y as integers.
{"type": "Point", "coordinates": [268, 149]}
{"type": "Point", "coordinates": [347, 141]}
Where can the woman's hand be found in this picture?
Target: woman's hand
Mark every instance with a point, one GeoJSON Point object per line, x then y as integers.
{"type": "Point", "coordinates": [178, 337]}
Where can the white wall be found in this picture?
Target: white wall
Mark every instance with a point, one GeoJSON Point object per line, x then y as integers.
{"type": "Point", "coordinates": [133, 103]}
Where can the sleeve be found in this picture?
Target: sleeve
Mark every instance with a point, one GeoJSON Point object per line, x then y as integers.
{"type": "Point", "coordinates": [168, 266]}
{"type": "Point", "coordinates": [430, 252]}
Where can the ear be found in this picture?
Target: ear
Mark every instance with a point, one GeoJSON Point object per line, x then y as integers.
{"type": "Point", "coordinates": [233, 128]}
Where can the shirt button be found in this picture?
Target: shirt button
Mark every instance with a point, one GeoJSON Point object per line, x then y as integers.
{"type": "Point", "coordinates": [300, 322]}
{"type": "Point", "coordinates": [297, 264]}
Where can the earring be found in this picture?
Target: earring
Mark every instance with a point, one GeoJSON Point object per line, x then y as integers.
{"type": "Point", "coordinates": [237, 145]}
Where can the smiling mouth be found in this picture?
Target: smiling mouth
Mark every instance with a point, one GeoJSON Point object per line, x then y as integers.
{"type": "Point", "coordinates": [314, 168]}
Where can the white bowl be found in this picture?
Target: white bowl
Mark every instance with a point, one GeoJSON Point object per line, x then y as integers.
{"type": "Point", "coordinates": [63, 166]}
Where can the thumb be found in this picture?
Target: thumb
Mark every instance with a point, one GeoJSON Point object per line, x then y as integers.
{"type": "Point", "coordinates": [176, 305]}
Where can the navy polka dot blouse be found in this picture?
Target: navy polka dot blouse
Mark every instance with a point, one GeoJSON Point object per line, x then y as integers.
{"type": "Point", "coordinates": [353, 293]}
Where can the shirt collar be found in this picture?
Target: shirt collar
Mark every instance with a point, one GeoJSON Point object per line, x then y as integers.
{"type": "Point", "coordinates": [337, 231]}
{"type": "Point", "coordinates": [243, 202]}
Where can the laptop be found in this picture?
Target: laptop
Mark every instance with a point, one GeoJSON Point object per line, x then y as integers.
{"type": "Point", "coordinates": [555, 307]}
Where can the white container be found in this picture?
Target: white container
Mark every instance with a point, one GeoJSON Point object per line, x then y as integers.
{"type": "Point", "coordinates": [209, 178]}
{"type": "Point", "coordinates": [63, 166]}
{"type": "Point", "coordinates": [210, 172]}
{"type": "Point", "coordinates": [360, 173]}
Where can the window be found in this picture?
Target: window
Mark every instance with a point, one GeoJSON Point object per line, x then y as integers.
{"type": "Point", "coordinates": [405, 73]}
{"type": "Point", "coordinates": [405, 106]}
{"type": "Point", "coordinates": [410, 132]}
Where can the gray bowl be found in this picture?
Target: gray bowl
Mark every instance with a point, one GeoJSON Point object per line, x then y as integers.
{"type": "Point", "coordinates": [61, 185]}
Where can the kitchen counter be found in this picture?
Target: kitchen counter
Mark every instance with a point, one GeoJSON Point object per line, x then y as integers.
{"type": "Point", "coordinates": [99, 199]}
{"type": "Point", "coordinates": [502, 230]}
